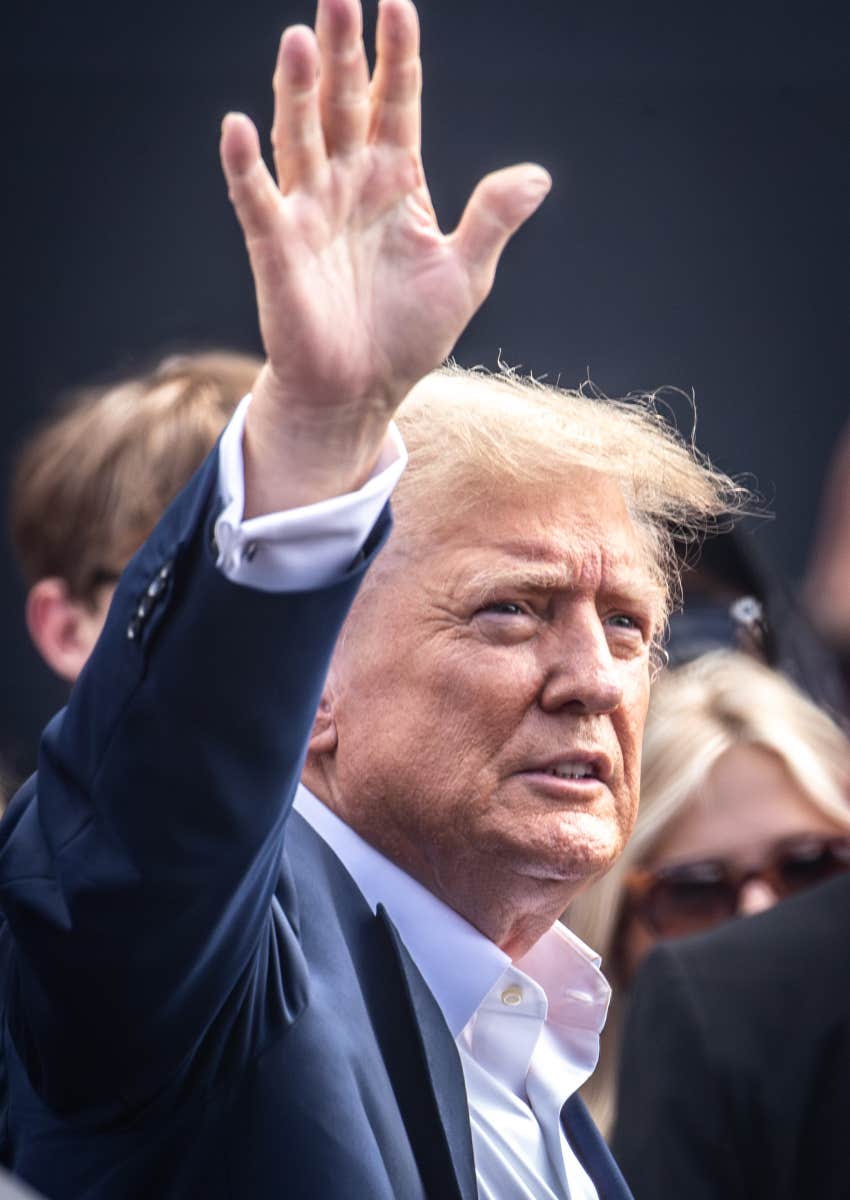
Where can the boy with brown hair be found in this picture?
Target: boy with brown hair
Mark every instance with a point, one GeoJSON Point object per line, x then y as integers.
{"type": "Point", "coordinates": [91, 484]}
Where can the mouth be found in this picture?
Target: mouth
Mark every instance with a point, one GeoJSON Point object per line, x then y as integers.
{"type": "Point", "coordinates": [570, 773]}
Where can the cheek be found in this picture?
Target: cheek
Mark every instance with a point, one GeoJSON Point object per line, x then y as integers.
{"type": "Point", "coordinates": [472, 696]}
{"type": "Point", "coordinates": [630, 737]}
{"type": "Point", "coordinates": [632, 719]}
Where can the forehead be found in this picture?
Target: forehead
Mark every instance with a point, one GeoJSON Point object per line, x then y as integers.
{"type": "Point", "coordinates": [576, 533]}
{"type": "Point", "coordinates": [748, 800]}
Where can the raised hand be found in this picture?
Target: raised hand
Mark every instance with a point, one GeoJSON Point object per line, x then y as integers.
{"type": "Point", "coordinates": [359, 294]}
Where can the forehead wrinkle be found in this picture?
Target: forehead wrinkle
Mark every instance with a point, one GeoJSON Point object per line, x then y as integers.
{"type": "Point", "coordinates": [540, 568]}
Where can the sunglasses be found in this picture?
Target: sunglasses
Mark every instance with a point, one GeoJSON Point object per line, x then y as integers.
{"type": "Point", "coordinates": [692, 896]}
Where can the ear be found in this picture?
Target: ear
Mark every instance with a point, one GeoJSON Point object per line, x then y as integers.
{"type": "Point", "coordinates": [64, 630]}
{"type": "Point", "coordinates": [323, 739]}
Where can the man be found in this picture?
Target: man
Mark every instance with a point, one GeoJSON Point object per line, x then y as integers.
{"type": "Point", "coordinates": [735, 1078]}
{"type": "Point", "coordinates": [91, 484]}
{"type": "Point", "coordinates": [212, 995]}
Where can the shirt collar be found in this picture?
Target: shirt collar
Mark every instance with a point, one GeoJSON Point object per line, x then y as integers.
{"type": "Point", "coordinates": [569, 972]}
{"type": "Point", "coordinates": [439, 939]}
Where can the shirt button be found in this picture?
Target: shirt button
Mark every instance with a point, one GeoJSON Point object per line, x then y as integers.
{"type": "Point", "coordinates": [512, 996]}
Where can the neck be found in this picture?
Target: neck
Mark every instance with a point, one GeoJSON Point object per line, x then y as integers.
{"type": "Point", "coordinates": [514, 912]}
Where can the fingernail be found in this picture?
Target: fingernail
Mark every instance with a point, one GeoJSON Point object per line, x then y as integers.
{"type": "Point", "coordinates": [540, 181]}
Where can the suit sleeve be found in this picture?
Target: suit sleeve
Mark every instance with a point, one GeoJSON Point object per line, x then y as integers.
{"type": "Point", "coordinates": [138, 867]}
{"type": "Point", "coordinates": [672, 1137]}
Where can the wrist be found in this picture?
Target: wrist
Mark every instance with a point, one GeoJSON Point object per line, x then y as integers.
{"type": "Point", "coordinates": [297, 454]}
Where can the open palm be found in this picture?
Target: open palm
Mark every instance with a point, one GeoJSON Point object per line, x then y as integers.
{"type": "Point", "coordinates": [359, 293]}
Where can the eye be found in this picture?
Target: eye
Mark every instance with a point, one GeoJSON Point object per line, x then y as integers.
{"type": "Point", "coordinates": [624, 621]}
{"type": "Point", "coordinates": [506, 608]}
{"type": "Point", "coordinates": [506, 621]}
{"type": "Point", "coordinates": [629, 629]}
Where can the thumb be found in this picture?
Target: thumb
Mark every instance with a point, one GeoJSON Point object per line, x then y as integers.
{"type": "Point", "coordinates": [252, 190]}
{"type": "Point", "coordinates": [500, 203]}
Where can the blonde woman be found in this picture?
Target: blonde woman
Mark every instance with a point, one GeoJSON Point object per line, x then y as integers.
{"type": "Point", "coordinates": [745, 799]}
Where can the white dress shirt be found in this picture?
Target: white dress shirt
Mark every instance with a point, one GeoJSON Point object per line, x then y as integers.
{"type": "Point", "coordinates": [527, 1032]}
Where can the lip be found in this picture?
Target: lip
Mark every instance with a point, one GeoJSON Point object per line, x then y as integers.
{"type": "Point", "coordinates": [597, 760]}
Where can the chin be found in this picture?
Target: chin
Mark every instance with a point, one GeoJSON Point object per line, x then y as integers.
{"type": "Point", "coordinates": [581, 857]}
{"type": "Point", "coordinates": [568, 862]}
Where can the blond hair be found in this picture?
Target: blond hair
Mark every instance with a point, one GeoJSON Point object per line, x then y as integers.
{"type": "Point", "coordinates": [469, 433]}
{"type": "Point", "coordinates": [697, 713]}
{"type": "Point", "coordinates": [90, 485]}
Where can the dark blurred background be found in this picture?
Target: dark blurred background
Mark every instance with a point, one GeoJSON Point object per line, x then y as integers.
{"type": "Point", "coordinates": [695, 237]}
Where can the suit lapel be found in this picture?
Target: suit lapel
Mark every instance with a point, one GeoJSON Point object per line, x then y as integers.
{"type": "Point", "coordinates": [443, 1145]}
{"type": "Point", "coordinates": [414, 1041]}
{"type": "Point", "coordinates": [592, 1153]}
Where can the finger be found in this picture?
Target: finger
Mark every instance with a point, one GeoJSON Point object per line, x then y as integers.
{"type": "Point", "coordinates": [343, 75]}
{"type": "Point", "coordinates": [499, 205]}
{"type": "Point", "coordinates": [397, 83]}
{"type": "Point", "coordinates": [251, 188]}
{"type": "Point", "coordinates": [297, 139]}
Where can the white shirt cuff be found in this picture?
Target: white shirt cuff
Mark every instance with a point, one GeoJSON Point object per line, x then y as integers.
{"type": "Point", "coordinates": [304, 547]}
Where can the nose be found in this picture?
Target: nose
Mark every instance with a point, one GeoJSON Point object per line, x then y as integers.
{"type": "Point", "coordinates": [579, 669]}
{"type": "Point", "coordinates": [754, 897]}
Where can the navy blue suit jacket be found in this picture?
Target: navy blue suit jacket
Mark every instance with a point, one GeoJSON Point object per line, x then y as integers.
{"type": "Point", "coordinates": [197, 1000]}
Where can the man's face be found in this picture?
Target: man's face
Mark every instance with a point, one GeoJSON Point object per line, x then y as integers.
{"type": "Point", "coordinates": [490, 694]}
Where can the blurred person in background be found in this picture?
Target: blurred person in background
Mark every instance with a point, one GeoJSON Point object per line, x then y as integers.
{"type": "Point", "coordinates": [744, 801]}
{"type": "Point", "coordinates": [735, 1072]}
{"type": "Point", "coordinates": [826, 589]}
{"type": "Point", "coordinates": [90, 485]}
{"type": "Point", "coordinates": [735, 598]}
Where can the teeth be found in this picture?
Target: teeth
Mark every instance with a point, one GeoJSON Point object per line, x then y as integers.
{"type": "Point", "coordinates": [573, 771]}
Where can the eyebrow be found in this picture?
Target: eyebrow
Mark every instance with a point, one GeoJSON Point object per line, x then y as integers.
{"type": "Point", "coordinates": [529, 576]}
{"type": "Point", "coordinates": [541, 572]}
